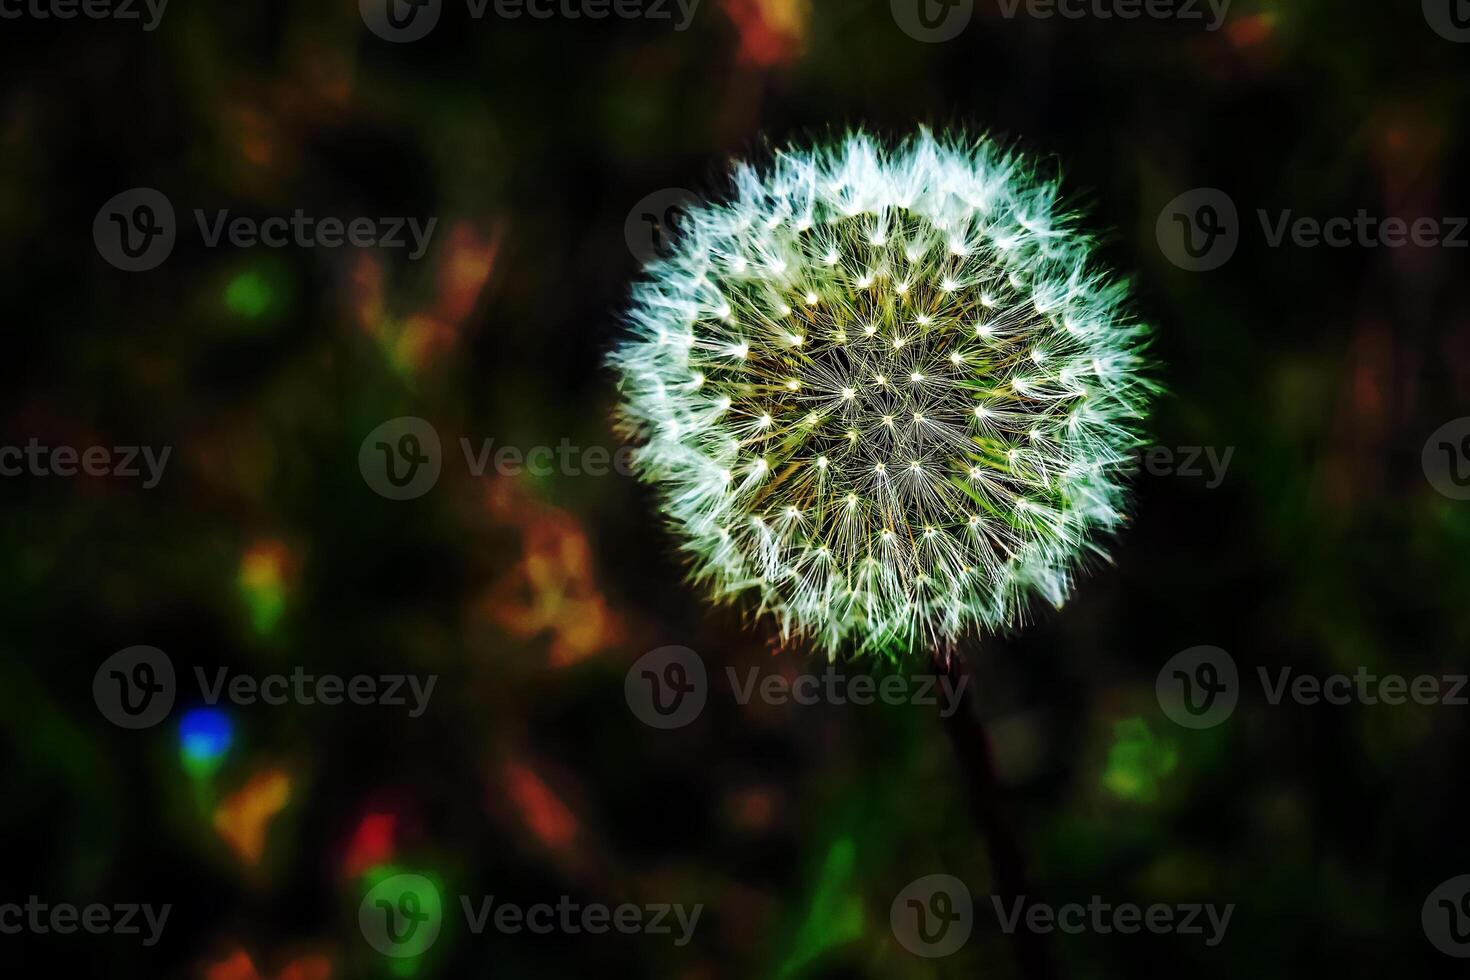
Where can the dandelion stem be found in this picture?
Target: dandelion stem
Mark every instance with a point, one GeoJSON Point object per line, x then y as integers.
{"type": "Point", "coordinates": [1007, 860]}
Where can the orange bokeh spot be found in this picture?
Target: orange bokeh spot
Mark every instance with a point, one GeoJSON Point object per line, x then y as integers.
{"type": "Point", "coordinates": [264, 565]}
{"type": "Point", "coordinates": [543, 811]}
{"type": "Point", "coordinates": [771, 31]}
{"type": "Point", "coordinates": [315, 967]}
{"type": "Point", "coordinates": [1250, 31]}
{"type": "Point", "coordinates": [239, 966]}
{"type": "Point", "coordinates": [552, 588]}
{"type": "Point", "coordinates": [242, 819]}
{"type": "Point", "coordinates": [462, 266]}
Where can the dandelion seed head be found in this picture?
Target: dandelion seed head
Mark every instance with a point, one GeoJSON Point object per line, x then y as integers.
{"type": "Point", "coordinates": [862, 514]}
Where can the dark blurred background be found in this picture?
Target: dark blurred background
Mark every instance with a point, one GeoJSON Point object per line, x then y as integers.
{"type": "Point", "coordinates": [537, 145]}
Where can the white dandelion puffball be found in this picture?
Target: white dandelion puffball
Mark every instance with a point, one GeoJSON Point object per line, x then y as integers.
{"type": "Point", "coordinates": [886, 390]}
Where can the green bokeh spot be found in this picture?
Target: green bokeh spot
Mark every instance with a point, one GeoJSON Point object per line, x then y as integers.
{"type": "Point", "coordinates": [249, 295]}
{"type": "Point", "coordinates": [1138, 761]}
{"type": "Point", "coordinates": [835, 915]}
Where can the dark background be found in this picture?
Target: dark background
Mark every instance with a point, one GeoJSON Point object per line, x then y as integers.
{"type": "Point", "coordinates": [1325, 548]}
